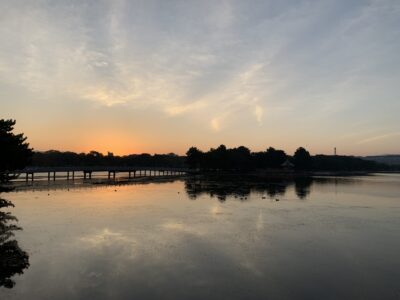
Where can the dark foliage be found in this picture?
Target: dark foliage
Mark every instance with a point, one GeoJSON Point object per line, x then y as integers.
{"type": "Point", "coordinates": [302, 159]}
{"type": "Point", "coordinates": [55, 158]}
{"type": "Point", "coordinates": [345, 163]}
{"type": "Point", "coordinates": [194, 158]}
{"type": "Point", "coordinates": [13, 260]}
{"type": "Point", "coordinates": [14, 154]}
{"type": "Point", "coordinates": [241, 159]}
{"type": "Point", "coordinates": [234, 159]}
{"type": "Point", "coordinates": [14, 150]}
{"type": "Point", "coordinates": [272, 158]}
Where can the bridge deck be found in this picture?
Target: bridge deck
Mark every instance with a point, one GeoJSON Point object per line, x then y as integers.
{"type": "Point", "coordinates": [88, 170]}
{"type": "Point", "coordinates": [98, 169]}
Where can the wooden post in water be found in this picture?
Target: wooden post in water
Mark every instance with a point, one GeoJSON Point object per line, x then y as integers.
{"type": "Point", "coordinates": [73, 175]}
{"type": "Point", "coordinates": [54, 176]}
{"type": "Point", "coordinates": [67, 175]}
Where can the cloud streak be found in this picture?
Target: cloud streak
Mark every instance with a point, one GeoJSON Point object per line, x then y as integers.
{"type": "Point", "coordinates": [379, 137]}
{"type": "Point", "coordinates": [212, 62]}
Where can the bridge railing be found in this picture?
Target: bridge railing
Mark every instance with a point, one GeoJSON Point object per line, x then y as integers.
{"type": "Point", "coordinates": [98, 169]}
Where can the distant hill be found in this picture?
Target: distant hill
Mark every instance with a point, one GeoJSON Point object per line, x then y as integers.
{"type": "Point", "coordinates": [392, 159]}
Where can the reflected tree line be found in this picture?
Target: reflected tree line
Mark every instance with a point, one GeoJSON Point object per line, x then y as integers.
{"type": "Point", "coordinates": [14, 154]}
{"type": "Point", "coordinates": [13, 260]}
{"type": "Point", "coordinates": [241, 188]}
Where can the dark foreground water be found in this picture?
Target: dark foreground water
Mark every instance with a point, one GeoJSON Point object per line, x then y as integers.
{"type": "Point", "coordinates": [309, 239]}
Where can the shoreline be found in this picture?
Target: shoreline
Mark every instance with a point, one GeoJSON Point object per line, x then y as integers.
{"type": "Point", "coordinates": [282, 174]}
{"type": "Point", "coordinates": [39, 185]}
{"type": "Point", "coordinates": [19, 186]}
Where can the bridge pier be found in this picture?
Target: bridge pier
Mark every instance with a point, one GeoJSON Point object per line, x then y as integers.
{"type": "Point", "coordinates": [27, 176]}
{"type": "Point", "coordinates": [130, 174]}
{"type": "Point", "coordinates": [133, 172]}
{"type": "Point", "coordinates": [88, 173]}
{"type": "Point", "coordinates": [109, 174]}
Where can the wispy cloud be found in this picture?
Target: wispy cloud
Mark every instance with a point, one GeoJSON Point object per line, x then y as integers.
{"type": "Point", "coordinates": [379, 137]}
{"type": "Point", "coordinates": [258, 112]}
{"type": "Point", "coordinates": [212, 61]}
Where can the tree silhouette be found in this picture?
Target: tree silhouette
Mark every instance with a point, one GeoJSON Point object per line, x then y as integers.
{"type": "Point", "coordinates": [240, 158]}
{"type": "Point", "coordinates": [302, 159]}
{"type": "Point", "coordinates": [14, 151]}
{"type": "Point", "coordinates": [193, 158]}
{"type": "Point", "coordinates": [14, 154]}
{"type": "Point", "coordinates": [54, 158]}
{"type": "Point", "coordinates": [13, 260]}
{"type": "Point", "coordinates": [275, 158]}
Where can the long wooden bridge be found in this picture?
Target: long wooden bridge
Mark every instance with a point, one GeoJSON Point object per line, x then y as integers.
{"type": "Point", "coordinates": [71, 173]}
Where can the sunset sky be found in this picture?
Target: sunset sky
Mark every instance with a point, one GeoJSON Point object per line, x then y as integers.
{"type": "Point", "coordinates": [161, 76]}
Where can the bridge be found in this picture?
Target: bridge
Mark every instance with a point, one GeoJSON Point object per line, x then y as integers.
{"type": "Point", "coordinates": [70, 173]}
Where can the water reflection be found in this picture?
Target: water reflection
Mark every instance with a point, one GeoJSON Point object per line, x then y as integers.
{"type": "Point", "coordinates": [241, 187]}
{"type": "Point", "coordinates": [150, 241]}
{"type": "Point", "coordinates": [303, 187]}
{"type": "Point", "coordinates": [221, 188]}
{"type": "Point", "coordinates": [13, 260]}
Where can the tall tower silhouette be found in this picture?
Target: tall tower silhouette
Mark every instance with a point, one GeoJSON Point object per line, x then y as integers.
{"type": "Point", "coordinates": [334, 151]}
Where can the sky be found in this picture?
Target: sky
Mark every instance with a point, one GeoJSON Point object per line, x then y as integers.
{"type": "Point", "coordinates": [161, 76]}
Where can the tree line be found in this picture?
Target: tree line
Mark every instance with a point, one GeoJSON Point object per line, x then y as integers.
{"type": "Point", "coordinates": [242, 159]}
{"type": "Point", "coordinates": [239, 159]}
{"type": "Point", "coordinates": [15, 154]}
{"type": "Point", "coordinates": [54, 158]}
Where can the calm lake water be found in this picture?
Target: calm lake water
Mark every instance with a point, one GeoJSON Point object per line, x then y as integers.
{"type": "Point", "coordinates": [326, 238]}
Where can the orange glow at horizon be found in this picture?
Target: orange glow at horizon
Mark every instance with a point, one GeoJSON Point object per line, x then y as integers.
{"type": "Point", "coordinates": [103, 141]}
